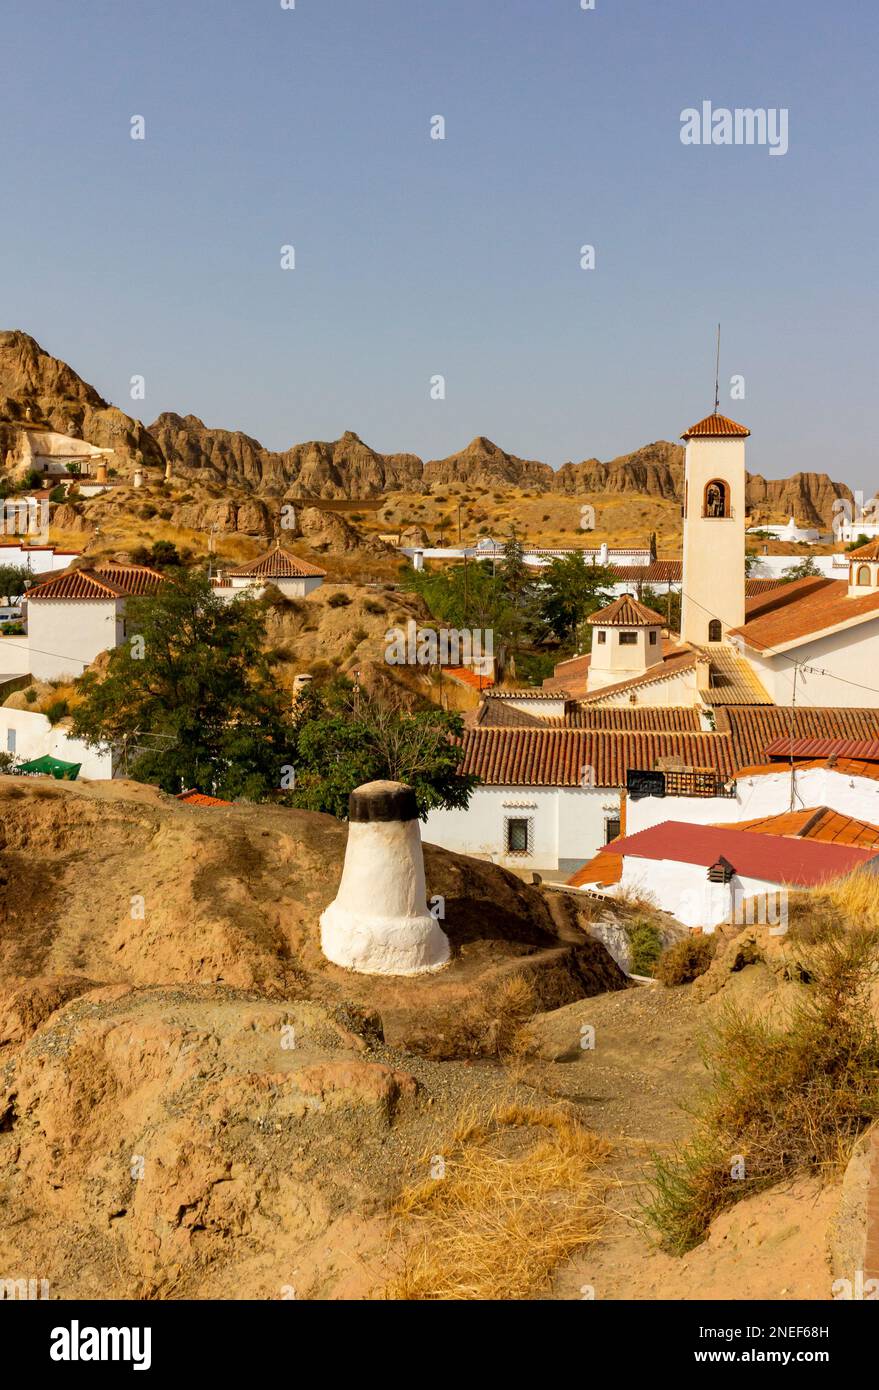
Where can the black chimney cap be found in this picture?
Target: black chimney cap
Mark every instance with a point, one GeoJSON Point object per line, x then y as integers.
{"type": "Point", "coordinates": [382, 801]}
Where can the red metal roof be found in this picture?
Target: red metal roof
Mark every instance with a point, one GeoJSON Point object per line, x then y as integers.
{"type": "Point", "coordinates": [861, 748]}
{"type": "Point", "coordinates": [773, 858]}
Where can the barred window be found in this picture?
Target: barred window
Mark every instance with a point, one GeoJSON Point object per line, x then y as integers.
{"type": "Point", "coordinates": [518, 835]}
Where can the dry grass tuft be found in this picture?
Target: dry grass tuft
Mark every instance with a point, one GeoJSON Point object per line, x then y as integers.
{"type": "Point", "coordinates": [491, 1024]}
{"type": "Point", "coordinates": [521, 1190]}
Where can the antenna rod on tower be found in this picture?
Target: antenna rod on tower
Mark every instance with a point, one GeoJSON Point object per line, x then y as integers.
{"type": "Point", "coordinates": [717, 375]}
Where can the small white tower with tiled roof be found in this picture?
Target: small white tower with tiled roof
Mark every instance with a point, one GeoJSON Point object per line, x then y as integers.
{"type": "Point", "coordinates": [626, 642]}
{"type": "Point", "coordinates": [863, 574]}
{"type": "Point", "coordinates": [713, 598]}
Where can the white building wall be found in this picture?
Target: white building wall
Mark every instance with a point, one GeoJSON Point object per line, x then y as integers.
{"type": "Point", "coordinates": [30, 735]}
{"type": "Point", "coordinates": [65, 635]}
{"type": "Point", "coordinates": [685, 891]}
{"type": "Point", "coordinates": [38, 559]}
{"type": "Point", "coordinates": [568, 825]}
{"type": "Point", "coordinates": [764, 794]}
{"type": "Point", "coordinates": [15, 658]}
{"type": "Point", "coordinates": [849, 658]}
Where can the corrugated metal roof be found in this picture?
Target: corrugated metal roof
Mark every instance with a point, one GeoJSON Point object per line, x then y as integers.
{"type": "Point", "coordinates": [773, 858]}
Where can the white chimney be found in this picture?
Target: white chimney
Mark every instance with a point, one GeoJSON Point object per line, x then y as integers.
{"type": "Point", "coordinates": [379, 923]}
{"type": "Point", "coordinates": [418, 560]}
{"type": "Point", "coordinates": [602, 553]}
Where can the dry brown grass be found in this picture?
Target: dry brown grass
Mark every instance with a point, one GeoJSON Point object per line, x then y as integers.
{"type": "Point", "coordinates": [521, 1189]}
{"type": "Point", "coordinates": [491, 1024]}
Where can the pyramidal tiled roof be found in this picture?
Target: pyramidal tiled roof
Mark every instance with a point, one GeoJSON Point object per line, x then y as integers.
{"type": "Point", "coordinates": [102, 582]}
{"type": "Point", "coordinates": [716, 427]}
{"type": "Point", "coordinates": [277, 563]}
{"type": "Point", "coordinates": [626, 612]}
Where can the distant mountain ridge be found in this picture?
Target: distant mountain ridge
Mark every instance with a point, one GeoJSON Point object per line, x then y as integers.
{"type": "Point", "coordinates": [30, 379]}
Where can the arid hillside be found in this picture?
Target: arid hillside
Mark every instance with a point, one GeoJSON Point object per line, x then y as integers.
{"type": "Point", "coordinates": [195, 1104]}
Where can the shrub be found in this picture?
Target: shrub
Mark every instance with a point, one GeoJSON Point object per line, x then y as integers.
{"type": "Point", "coordinates": [30, 694]}
{"type": "Point", "coordinates": [338, 600]}
{"type": "Point", "coordinates": [58, 710]}
{"type": "Point", "coordinates": [148, 511]}
{"type": "Point", "coordinates": [685, 960]}
{"type": "Point", "coordinates": [645, 947]}
{"type": "Point", "coordinates": [791, 1098]}
{"type": "Point", "coordinates": [57, 494]}
{"type": "Point", "coordinates": [371, 605]}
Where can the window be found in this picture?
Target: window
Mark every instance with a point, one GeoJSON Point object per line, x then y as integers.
{"type": "Point", "coordinates": [863, 574]}
{"type": "Point", "coordinates": [716, 499]}
{"type": "Point", "coordinates": [611, 828]}
{"type": "Point", "coordinates": [628, 639]}
{"type": "Point", "coordinates": [715, 630]}
{"type": "Point", "coordinates": [10, 740]}
{"type": "Point", "coordinates": [602, 635]}
{"type": "Point", "coordinates": [653, 637]}
{"type": "Point", "coordinates": [518, 835]}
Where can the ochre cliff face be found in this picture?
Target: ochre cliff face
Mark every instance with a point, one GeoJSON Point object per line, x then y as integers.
{"type": "Point", "coordinates": [56, 396]}
{"type": "Point", "coordinates": [30, 379]}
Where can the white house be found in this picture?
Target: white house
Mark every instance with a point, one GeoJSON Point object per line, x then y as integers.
{"type": "Point", "coordinates": [798, 535]}
{"type": "Point", "coordinates": [705, 874]}
{"type": "Point", "coordinates": [29, 735]}
{"type": "Point", "coordinates": [74, 616]}
{"type": "Point", "coordinates": [39, 559]}
{"type": "Point", "coordinates": [550, 798]}
{"type": "Point", "coordinates": [294, 577]}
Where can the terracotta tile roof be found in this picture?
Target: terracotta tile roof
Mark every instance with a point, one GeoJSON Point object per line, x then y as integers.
{"type": "Point", "coordinates": [194, 798]}
{"type": "Point", "coordinates": [665, 670]}
{"type": "Point", "coordinates": [870, 551]}
{"type": "Point", "coordinates": [103, 582]}
{"type": "Point", "coordinates": [524, 692]}
{"type": "Point", "coordinates": [732, 679]}
{"type": "Point", "coordinates": [657, 572]}
{"type": "Point", "coordinates": [716, 427]}
{"type": "Point", "coordinates": [773, 858]}
{"type": "Point", "coordinates": [754, 588]}
{"type": "Point", "coordinates": [626, 612]}
{"type": "Point", "coordinates": [499, 714]}
{"type": "Point", "coordinates": [558, 757]}
{"type": "Point", "coordinates": [753, 728]}
{"type": "Point", "coordinates": [815, 823]}
{"type": "Point", "coordinates": [605, 868]}
{"type": "Point", "coordinates": [858, 748]}
{"type": "Point", "coordinates": [800, 611]}
{"type": "Point", "coordinates": [277, 563]}
{"type": "Point", "coordinates": [467, 677]}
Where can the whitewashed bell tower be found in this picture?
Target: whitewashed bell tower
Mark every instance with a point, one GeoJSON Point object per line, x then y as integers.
{"type": "Point", "coordinates": [713, 598]}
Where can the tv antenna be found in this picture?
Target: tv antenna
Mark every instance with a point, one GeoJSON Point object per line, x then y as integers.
{"type": "Point", "coordinates": [717, 375]}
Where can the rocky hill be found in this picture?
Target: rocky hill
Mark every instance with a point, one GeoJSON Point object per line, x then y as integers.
{"type": "Point", "coordinates": [55, 396]}
{"type": "Point", "coordinates": [32, 380]}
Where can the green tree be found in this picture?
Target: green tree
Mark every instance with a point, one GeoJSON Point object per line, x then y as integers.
{"type": "Point", "coordinates": [190, 697]}
{"type": "Point", "coordinates": [468, 596]}
{"type": "Point", "coordinates": [345, 737]}
{"type": "Point", "coordinates": [573, 588]}
{"type": "Point", "coordinates": [14, 580]}
{"type": "Point", "coordinates": [803, 569]}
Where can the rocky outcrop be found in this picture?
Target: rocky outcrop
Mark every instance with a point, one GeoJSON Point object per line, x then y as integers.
{"type": "Point", "coordinates": [37, 389]}
{"type": "Point", "coordinates": [484, 464]}
{"type": "Point", "coordinates": [656, 470]}
{"type": "Point", "coordinates": [807, 497]}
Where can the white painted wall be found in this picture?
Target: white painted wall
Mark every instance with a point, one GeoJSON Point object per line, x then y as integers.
{"type": "Point", "coordinates": [34, 737]}
{"type": "Point", "coordinates": [65, 635]}
{"type": "Point", "coordinates": [568, 825]}
{"type": "Point", "coordinates": [15, 659]}
{"type": "Point", "coordinates": [290, 588]}
{"type": "Point", "coordinates": [539, 707]}
{"type": "Point", "coordinates": [844, 667]}
{"type": "Point", "coordinates": [763, 794]}
{"type": "Point", "coordinates": [685, 891]}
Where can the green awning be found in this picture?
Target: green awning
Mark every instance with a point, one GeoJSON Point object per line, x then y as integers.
{"type": "Point", "coordinates": [54, 767]}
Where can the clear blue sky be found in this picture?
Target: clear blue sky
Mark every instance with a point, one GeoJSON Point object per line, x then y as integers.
{"type": "Point", "coordinates": [310, 127]}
